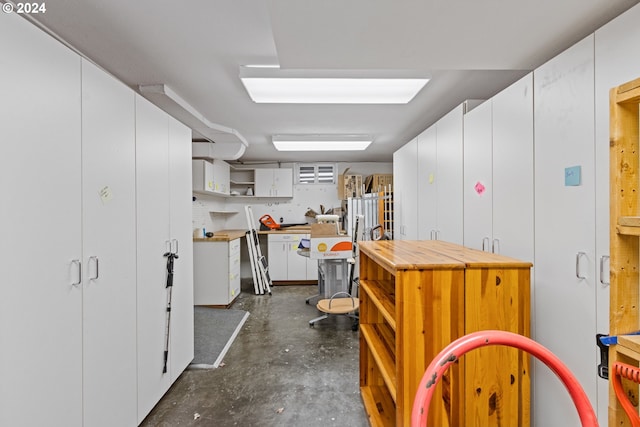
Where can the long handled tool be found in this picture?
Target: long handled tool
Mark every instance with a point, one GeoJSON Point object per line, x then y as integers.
{"type": "Point", "coordinates": [170, 259]}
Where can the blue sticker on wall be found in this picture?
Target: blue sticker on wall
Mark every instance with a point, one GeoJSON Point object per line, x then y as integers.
{"type": "Point", "coordinates": [572, 176]}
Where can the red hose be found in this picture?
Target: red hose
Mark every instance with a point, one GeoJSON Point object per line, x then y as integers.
{"type": "Point", "coordinates": [469, 342]}
{"type": "Point", "coordinates": [631, 373]}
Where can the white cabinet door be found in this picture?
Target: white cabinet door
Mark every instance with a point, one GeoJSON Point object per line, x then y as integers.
{"type": "Point", "coordinates": [221, 177]}
{"type": "Point", "coordinates": [426, 185]}
{"type": "Point", "coordinates": [449, 203]}
{"type": "Point", "coordinates": [109, 246]}
{"type": "Point", "coordinates": [405, 173]}
{"type": "Point", "coordinates": [278, 259]}
{"type": "Point", "coordinates": [564, 305]}
{"type": "Point", "coordinates": [513, 170]}
{"type": "Point", "coordinates": [478, 177]}
{"type": "Point", "coordinates": [297, 264]}
{"type": "Point", "coordinates": [283, 182]}
{"type": "Point", "coordinates": [274, 182]}
{"type": "Point", "coordinates": [614, 66]}
{"type": "Point", "coordinates": [152, 184]}
{"type": "Point", "coordinates": [40, 217]}
{"type": "Point", "coordinates": [182, 243]}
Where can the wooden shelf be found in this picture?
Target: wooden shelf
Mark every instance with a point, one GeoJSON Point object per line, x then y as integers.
{"type": "Point", "coordinates": [625, 252]}
{"type": "Point", "coordinates": [382, 295]}
{"type": "Point", "coordinates": [378, 405]}
{"type": "Point", "coordinates": [416, 297]}
{"type": "Point", "coordinates": [380, 343]}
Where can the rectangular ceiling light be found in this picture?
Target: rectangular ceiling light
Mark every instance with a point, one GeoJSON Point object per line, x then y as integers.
{"type": "Point", "coordinates": [273, 85]}
{"type": "Point", "coordinates": [321, 142]}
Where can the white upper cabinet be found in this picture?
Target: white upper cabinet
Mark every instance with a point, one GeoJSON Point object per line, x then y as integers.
{"type": "Point", "coordinates": [274, 182]}
{"type": "Point", "coordinates": [211, 177]}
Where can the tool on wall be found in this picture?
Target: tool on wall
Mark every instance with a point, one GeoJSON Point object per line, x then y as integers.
{"type": "Point", "coordinates": [259, 266]}
{"type": "Point", "coordinates": [171, 256]}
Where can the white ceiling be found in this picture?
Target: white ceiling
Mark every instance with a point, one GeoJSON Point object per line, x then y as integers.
{"type": "Point", "coordinates": [471, 48]}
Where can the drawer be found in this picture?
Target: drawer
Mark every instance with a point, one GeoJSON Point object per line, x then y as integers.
{"type": "Point", "coordinates": [285, 237]}
{"type": "Point", "coordinates": [234, 248]}
{"type": "Point", "coordinates": [234, 286]}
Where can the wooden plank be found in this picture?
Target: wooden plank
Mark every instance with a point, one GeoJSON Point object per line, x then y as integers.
{"type": "Point", "coordinates": [627, 92]}
{"type": "Point", "coordinates": [497, 380]}
{"type": "Point", "coordinates": [631, 221]}
{"type": "Point", "coordinates": [475, 258]}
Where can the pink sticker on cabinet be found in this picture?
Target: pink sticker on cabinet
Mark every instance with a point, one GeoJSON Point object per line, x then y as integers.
{"type": "Point", "coordinates": [480, 188]}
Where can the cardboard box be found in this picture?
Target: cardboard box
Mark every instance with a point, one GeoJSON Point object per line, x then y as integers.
{"type": "Point", "coordinates": [327, 244]}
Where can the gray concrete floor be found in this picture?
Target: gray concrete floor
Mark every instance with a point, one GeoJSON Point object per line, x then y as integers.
{"type": "Point", "coordinates": [278, 372]}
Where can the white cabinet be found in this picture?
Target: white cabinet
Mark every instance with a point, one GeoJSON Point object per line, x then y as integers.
{"type": "Point", "coordinates": [109, 248]}
{"type": "Point", "coordinates": [181, 232]}
{"type": "Point", "coordinates": [438, 172]}
{"type": "Point", "coordinates": [216, 267]}
{"type": "Point", "coordinates": [157, 148]}
{"type": "Point", "coordinates": [565, 279]}
{"type": "Point", "coordinates": [41, 305]}
{"type": "Point", "coordinates": [211, 177]}
{"type": "Point", "coordinates": [498, 173]}
{"type": "Point", "coordinates": [284, 261]}
{"type": "Point", "coordinates": [274, 182]}
{"type": "Point", "coordinates": [448, 177]}
{"type": "Point", "coordinates": [405, 172]}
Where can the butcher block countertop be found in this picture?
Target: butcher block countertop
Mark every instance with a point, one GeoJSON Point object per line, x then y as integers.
{"type": "Point", "coordinates": [222, 236]}
{"type": "Point", "coordinates": [296, 229]}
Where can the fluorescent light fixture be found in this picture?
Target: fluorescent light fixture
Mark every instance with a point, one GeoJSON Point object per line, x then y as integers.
{"type": "Point", "coordinates": [273, 85]}
{"type": "Point", "coordinates": [321, 142]}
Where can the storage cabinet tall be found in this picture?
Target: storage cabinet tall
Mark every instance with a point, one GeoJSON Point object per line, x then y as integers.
{"type": "Point", "coordinates": [160, 153]}
{"type": "Point", "coordinates": [40, 171]}
{"type": "Point", "coordinates": [405, 171]}
{"type": "Point", "coordinates": [418, 296]}
{"type": "Point", "coordinates": [109, 242]}
{"type": "Point", "coordinates": [565, 285]}
{"type": "Point", "coordinates": [498, 173]}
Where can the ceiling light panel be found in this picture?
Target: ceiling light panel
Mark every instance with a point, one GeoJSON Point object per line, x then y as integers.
{"type": "Point", "coordinates": [272, 85]}
{"type": "Point", "coordinates": [321, 142]}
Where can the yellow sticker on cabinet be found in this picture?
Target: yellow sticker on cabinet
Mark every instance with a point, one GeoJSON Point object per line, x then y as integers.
{"type": "Point", "coordinates": [106, 195]}
{"type": "Point", "coordinates": [210, 185]}
{"type": "Point", "coordinates": [431, 178]}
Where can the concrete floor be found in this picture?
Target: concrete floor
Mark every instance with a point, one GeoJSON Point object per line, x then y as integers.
{"type": "Point", "coordinates": [278, 372]}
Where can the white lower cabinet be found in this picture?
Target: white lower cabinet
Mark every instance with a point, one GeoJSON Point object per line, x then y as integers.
{"type": "Point", "coordinates": [284, 261]}
{"type": "Point", "coordinates": [216, 268]}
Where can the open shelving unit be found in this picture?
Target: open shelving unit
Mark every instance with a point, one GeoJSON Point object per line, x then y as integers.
{"type": "Point", "coordinates": [418, 296]}
{"type": "Point", "coordinates": [624, 316]}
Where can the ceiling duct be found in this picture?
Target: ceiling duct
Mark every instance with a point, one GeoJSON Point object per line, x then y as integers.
{"type": "Point", "coordinates": [228, 144]}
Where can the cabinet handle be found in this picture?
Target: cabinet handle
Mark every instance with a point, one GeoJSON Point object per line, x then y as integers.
{"type": "Point", "coordinates": [602, 259]}
{"type": "Point", "coordinates": [176, 251]}
{"type": "Point", "coordinates": [494, 246]}
{"type": "Point", "coordinates": [96, 262]}
{"type": "Point", "coordinates": [79, 264]}
{"type": "Point", "coordinates": [167, 246]}
{"type": "Point", "coordinates": [578, 255]}
{"type": "Point", "coordinates": [485, 247]}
